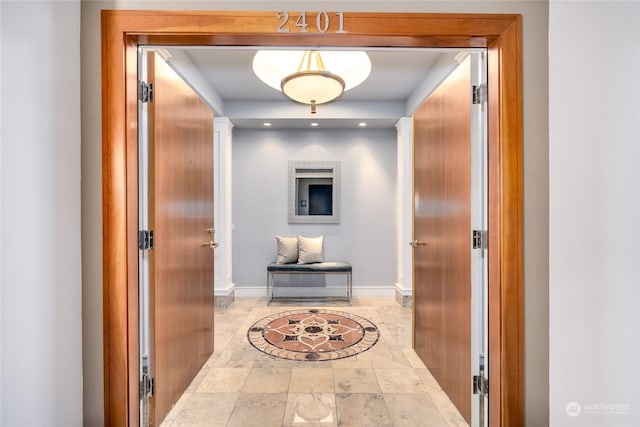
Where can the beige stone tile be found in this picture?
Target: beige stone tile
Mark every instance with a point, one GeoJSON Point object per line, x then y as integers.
{"type": "Point", "coordinates": [267, 380]}
{"type": "Point", "coordinates": [412, 410]}
{"type": "Point", "coordinates": [275, 362]}
{"type": "Point", "coordinates": [223, 380]}
{"type": "Point", "coordinates": [258, 410]}
{"type": "Point", "coordinates": [304, 380]}
{"type": "Point", "coordinates": [356, 380]}
{"type": "Point", "coordinates": [310, 410]}
{"type": "Point", "coordinates": [448, 410]}
{"type": "Point", "coordinates": [382, 355]}
{"type": "Point", "coordinates": [428, 380]}
{"type": "Point", "coordinates": [175, 410]}
{"type": "Point", "coordinates": [389, 367]}
{"type": "Point", "coordinates": [198, 379]}
{"type": "Point", "coordinates": [362, 410]}
{"type": "Point", "coordinates": [413, 358]}
{"type": "Point", "coordinates": [399, 381]}
{"type": "Point", "coordinates": [204, 409]}
{"type": "Point", "coordinates": [404, 341]}
{"type": "Point", "coordinates": [351, 362]}
{"type": "Point", "coordinates": [227, 359]}
{"type": "Point", "coordinates": [246, 302]}
{"type": "Point", "coordinates": [221, 341]}
{"type": "Point", "coordinates": [398, 329]}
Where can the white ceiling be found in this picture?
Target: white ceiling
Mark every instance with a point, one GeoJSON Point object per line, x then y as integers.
{"type": "Point", "coordinates": [399, 80]}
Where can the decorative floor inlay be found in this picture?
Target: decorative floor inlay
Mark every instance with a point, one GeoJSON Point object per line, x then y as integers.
{"type": "Point", "coordinates": [313, 334]}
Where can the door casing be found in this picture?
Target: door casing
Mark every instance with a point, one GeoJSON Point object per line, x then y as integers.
{"type": "Point", "coordinates": [124, 30]}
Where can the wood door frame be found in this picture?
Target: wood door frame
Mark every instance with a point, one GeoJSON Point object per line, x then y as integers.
{"type": "Point", "coordinates": [123, 31]}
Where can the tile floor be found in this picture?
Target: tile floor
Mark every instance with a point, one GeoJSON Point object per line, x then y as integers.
{"type": "Point", "coordinates": [387, 385]}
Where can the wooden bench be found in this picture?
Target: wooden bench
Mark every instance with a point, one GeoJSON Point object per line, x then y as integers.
{"type": "Point", "coordinates": [274, 269]}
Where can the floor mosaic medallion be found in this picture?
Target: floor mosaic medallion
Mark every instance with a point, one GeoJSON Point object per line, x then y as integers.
{"type": "Point", "coordinates": [313, 334]}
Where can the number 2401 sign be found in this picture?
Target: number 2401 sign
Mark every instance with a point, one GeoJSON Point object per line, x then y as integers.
{"type": "Point", "coordinates": [323, 22]}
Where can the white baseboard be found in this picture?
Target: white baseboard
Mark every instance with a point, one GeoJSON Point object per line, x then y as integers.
{"type": "Point", "coordinates": [251, 291]}
{"type": "Point", "coordinates": [358, 291]}
{"type": "Point", "coordinates": [402, 290]}
{"type": "Point", "coordinates": [225, 292]}
{"type": "Point", "coordinates": [373, 291]}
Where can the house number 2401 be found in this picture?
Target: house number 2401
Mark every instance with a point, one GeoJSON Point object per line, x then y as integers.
{"type": "Point", "coordinates": [323, 21]}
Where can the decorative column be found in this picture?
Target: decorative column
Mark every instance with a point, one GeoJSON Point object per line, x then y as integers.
{"type": "Point", "coordinates": [404, 209]}
{"type": "Point", "coordinates": [224, 288]}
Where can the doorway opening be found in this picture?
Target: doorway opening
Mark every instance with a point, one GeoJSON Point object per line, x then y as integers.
{"type": "Point", "coordinates": [123, 32]}
{"type": "Point", "coordinates": [260, 154]}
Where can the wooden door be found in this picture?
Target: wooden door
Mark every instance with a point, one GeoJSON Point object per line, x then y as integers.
{"type": "Point", "coordinates": [442, 229]}
{"type": "Point", "coordinates": [181, 213]}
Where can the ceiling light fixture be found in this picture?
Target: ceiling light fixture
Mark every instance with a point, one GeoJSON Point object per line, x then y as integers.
{"type": "Point", "coordinates": [312, 77]}
{"type": "Point", "coordinates": [362, 124]}
{"type": "Point", "coordinates": [312, 83]}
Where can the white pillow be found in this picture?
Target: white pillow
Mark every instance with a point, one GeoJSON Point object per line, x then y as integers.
{"type": "Point", "coordinates": [287, 250]}
{"type": "Point", "coordinates": [310, 250]}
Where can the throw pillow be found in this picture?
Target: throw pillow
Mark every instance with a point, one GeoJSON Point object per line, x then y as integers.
{"type": "Point", "coordinates": [287, 250]}
{"type": "Point", "coordinates": [310, 250]}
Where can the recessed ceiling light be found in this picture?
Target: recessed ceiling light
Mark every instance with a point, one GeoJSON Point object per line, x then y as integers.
{"type": "Point", "coordinates": [266, 124]}
{"type": "Point", "coordinates": [362, 124]}
{"type": "Point", "coordinates": [314, 124]}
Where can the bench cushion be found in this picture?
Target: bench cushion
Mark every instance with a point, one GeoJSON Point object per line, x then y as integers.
{"type": "Point", "coordinates": [327, 266]}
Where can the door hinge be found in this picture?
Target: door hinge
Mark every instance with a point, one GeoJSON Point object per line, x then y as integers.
{"type": "Point", "coordinates": [479, 94]}
{"type": "Point", "coordinates": [147, 386]}
{"type": "Point", "coordinates": [145, 92]}
{"type": "Point", "coordinates": [145, 240]}
{"type": "Point", "coordinates": [147, 383]}
{"type": "Point", "coordinates": [480, 239]}
{"type": "Point", "coordinates": [480, 385]}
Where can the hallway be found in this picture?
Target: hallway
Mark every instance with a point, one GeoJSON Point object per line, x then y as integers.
{"type": "Point", "coordinates": [385, 386]}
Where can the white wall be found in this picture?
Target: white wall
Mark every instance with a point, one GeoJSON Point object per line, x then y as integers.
{"type": "Point", "coordinates": [41, 358]}
{"type": "Point", "coordinates": [367, 213]}
{"type": "Point", "coordinates": [535, 86]}
{"type": "Point", "coordinates": [594, 171]}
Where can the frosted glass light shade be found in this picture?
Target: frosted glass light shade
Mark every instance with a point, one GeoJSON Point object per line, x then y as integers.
{"type": "Point", "coordinates": [308, 79]}
{"type": "Point", "coordinates": [308, 87]}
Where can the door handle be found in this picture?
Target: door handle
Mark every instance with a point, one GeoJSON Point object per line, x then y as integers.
{"type": "Point", "coordinates": [211, 244]}
{"type": "Point", "coordinates": [417, 243]}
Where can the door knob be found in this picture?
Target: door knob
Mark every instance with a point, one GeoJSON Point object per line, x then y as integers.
{"type": "Point", "coordinates": [211, 244]}
{"type": "Point", "coordinates": [417, 243]}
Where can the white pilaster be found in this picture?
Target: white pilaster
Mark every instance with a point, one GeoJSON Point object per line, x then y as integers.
{"type": "Point", "coordinates": [404, 209]}
{"type": "Point", "coordinates": [224, 286]}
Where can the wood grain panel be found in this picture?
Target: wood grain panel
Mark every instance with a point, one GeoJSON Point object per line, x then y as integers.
{"type": "Point", "coordinates": [442, 220]}
{"type": "Point", "coordinates": [506, 236]}
{"type": "Point", "coordinates": [123, 30]}
{"type": "Point", "coordinates": [181, 211]}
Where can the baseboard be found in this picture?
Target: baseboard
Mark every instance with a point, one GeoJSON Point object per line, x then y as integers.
{"type": "Point", "coordinates": [358, 291]}
{"type": "Point", "coordinates": [223, 298]}
{"type": "Point", "coordinates": [404, 297]}
{"type": "Point", "coordinates": [220, 291]}
{"type": "Point", "coordinates": [400, 289]}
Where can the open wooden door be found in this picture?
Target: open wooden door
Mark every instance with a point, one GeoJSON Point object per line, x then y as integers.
{"type": "Point", "coordinates": [442, 233]}
{"type": "Point", "coordinates": [180, 188]}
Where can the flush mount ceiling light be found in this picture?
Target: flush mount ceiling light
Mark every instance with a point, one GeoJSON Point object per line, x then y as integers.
{"type": "Point", "coordinates": [312, 77]}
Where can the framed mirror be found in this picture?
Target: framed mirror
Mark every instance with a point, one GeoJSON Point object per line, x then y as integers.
{"type": "Point", "coordinates": [314, 191]}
